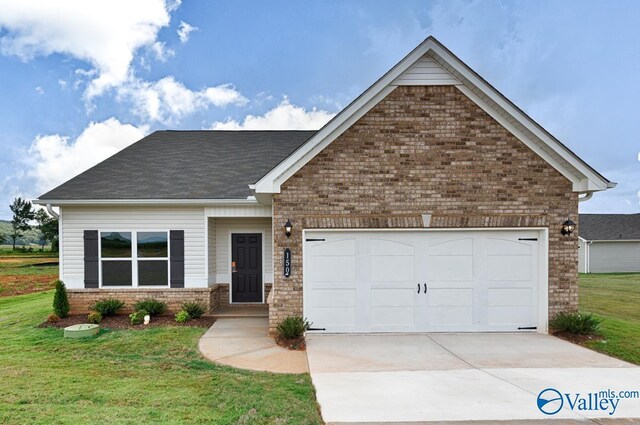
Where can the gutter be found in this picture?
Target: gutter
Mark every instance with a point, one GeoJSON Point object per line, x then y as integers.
{"type": "Point", "coordinates": [57, 202]}
{"type": "Point", "coordinates": [52, 212]}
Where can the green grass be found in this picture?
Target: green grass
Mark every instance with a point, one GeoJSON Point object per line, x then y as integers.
{"type": "Point", "coordinates": [615, 298]}
{"type": "Point", "coordinates": [7, 251]}
{"type": "Point", "coordinates": [154, 375]}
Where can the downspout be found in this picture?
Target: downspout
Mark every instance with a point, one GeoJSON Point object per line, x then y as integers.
{"type": "Point", "coordinates": [586, 196]}
{"type": "Point", "coordinates": [52, 212]}
{"type": "Point", "coordinates": [587, 246]}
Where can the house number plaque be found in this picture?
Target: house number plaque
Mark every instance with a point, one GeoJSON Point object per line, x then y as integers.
{"type": "Point", "coordinates": [287, 262]}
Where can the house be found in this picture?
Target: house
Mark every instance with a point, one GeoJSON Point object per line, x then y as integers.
{"type": "Point", "coordinates": [609, 243]}
{"type": "Point", "coordinates": [430, 203]}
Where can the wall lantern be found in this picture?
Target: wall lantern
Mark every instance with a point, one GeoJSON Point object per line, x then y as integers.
{"type": "Point", "coordinates": [568, 227]}
{"type": "Point", "coordinates": [287, 228]}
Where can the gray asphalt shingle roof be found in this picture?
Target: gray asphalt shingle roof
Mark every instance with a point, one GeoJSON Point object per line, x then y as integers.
{"type": "Point", "coordinates": [184, 165]}
{"type": "Point", "coordinates": [605, 227]}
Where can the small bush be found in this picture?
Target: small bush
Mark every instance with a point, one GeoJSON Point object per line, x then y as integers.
{"type": "Point", "coordinates": [182, 317]}
{"type": "Point", "coordinates": [576, 323]}
{"type": "Point", "coordinates": [194, 310]}
{"type": "Point", "coordinates": [60, 301]}
{"type": "Point", "coordinates": [292, 327]}
{"type": "Point", "coordinates": [137, 317]}
{"type": "Point", "coordinates": [53, 318]}
{"type": "Point", "coordinates": [151, 306]}
{"type": "Point", "coordinates": [94, 317]}
{"type": "Point", "coordinates": [107, 307]}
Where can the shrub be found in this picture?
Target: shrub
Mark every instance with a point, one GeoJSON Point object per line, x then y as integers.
{"type": "Point", "coordinates": [53, 318]}
{"type": "Point", "coordinates": [151, 306]}
{"type": "Point", "coordinates": [107, 307]}
{"type": "Point", "coordinates": [60, 301]}
{"type": "Point", "coordinates": [94, 317]}
{"type": "Point", "coordinates": [182, 317]}
{"type": "Point", "coordinates": [194, 310]}
{"type": "Point", "coordinates": [137, 317]}
{"type": "Point", "coordinates": [576, 323]}
{"type": "Point", "coordinates": [292, 327]}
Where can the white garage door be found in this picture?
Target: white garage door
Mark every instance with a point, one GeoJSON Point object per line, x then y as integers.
{"type": "Point", "coordinates": [407, 281]}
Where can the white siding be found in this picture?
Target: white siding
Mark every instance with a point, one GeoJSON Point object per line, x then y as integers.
{"type": "Point", "coordinates": [78, 219]}
{"type": "Point", "coordinates": [582, 260]}
{"type": "Point", "coordinates": [211, 249]}
{"type": "Point", "coordinates": [224, 227]}
{"type": "Point", "coordinates": [239, 211]}
{"type": "Point", "coordinates": [425, 72]}
{"type": "Point", "coordinates": [614, 257]}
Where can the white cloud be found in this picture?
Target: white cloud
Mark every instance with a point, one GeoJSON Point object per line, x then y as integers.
{"type": "Point", "coordinates": [53, 159]}
{"type": "Point", "coordinates": [285, 116]}
{"type": "Point", "coordinates": [168, 100]}
{"type": "Point", "coordinates": [39, 90]}
{"type": "Point", "coordinates": [185, 31]}
{"type": "Point", "coordinates": [161, 51]}
{"type": "Point", "coordinates": [104, 33]}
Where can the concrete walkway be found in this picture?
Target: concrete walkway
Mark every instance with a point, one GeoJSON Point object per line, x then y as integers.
{"type": "Point", "coordinates": [455, 378]}
{"type": "Point", "coordinates": [244, 343]}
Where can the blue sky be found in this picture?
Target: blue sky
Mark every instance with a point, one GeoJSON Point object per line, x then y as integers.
{"type": "Point", "coordinates": [80, 80]}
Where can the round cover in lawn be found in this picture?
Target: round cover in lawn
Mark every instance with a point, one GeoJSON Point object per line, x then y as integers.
{"type": "Point", "coordinates": [81, 331]}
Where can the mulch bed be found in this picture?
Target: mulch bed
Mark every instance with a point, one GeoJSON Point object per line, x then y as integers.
{"type": "Point", "coordinates": [121, 321]}
{"type": "Point", "coordinates": [576, 339]}
{"type": "Point", "coordinates": [298, 344]}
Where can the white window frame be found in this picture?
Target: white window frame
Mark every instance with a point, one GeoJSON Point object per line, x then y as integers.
{"type": "Point", "coordinates": [134, 259]}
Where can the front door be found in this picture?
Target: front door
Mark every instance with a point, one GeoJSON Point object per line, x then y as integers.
{"type": "Point", "coordinates": [246, 273]}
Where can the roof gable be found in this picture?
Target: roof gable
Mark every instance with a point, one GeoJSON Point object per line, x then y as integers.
{"type": "Point", "coordinates": [432, 64]}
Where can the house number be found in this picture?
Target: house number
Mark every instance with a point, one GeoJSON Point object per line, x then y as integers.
{"type": "Point", "coordinates": [287, 262]}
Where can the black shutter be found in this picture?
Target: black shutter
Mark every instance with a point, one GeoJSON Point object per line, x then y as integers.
{"type": "Point", "coordinates": [90, 258]}
{"type": "Point", "coordinates": [176, 256]}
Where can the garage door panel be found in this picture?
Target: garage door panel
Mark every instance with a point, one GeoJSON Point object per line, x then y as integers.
{"type": "Point", "coordinates": [340, 247]}
{"type": "Point", "coordinates": [392, 316]}
{"type": "Point", "coordinates": [333, 269]}
{"type": "Point", "coordinates": [509, 297]}
{"type": "Point", "coordinates": [452, 268]}
{"type": "Point", "coordinates": [333, 298]}
{"type": "Point", "coordinates": [499, 246]}
{"type": "Point", "coordinates": [392, 268]}
{"type": "Point", "coordinates": [459, 246]}
{"type": "Point", "coordinates": [450, 297]}
{"type": "Point", "coordinates": [510, 315]}
{"type": "Point", "coordinates": [450, 316]}
{"type": "Point", "coordinates": [509, 267]}
{"type": "Point", "coordinates": [338, 317]}
{"type": "Point", "coordinates": [381, 246]}
{"type": "Point", "coordinates": [392, 297]}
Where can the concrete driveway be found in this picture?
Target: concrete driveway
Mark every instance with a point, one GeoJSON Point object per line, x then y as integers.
{"type": "Point", "coordinates": [454, 378]}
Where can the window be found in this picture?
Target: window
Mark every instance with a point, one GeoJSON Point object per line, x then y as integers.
{"type": "Point", "coordinates": [134, 258]}
{"type": "Point", "coordinates": [154, 269]}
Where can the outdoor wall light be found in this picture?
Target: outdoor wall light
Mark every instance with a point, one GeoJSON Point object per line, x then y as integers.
{"type": "Point", "coordinates": [568, 227]}
{"type": "Point", "coordinates": [287, 228]}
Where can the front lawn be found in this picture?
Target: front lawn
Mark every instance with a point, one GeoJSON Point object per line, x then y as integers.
{"type": "Point", "coordinates": [132, 377]}
{"type": "Point", "coordinates": [615, 298]}
{"type": "Point", "coordinates": [23, 274]}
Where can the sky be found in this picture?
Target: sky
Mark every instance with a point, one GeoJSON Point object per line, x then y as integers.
{"type": "Point", "coordinates": [80, 80]}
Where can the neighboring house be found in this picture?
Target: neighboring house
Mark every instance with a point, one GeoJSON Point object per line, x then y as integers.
{"type": "Point", "coordinates": [430, 203]}
{"type": "Point", "coordinates": [609, 243]}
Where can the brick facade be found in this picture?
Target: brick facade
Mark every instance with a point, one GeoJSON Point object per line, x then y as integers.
{"type": "Point", "coordinates": [81, 299]}
{"type": "Point", "coordinates": [426, 150]}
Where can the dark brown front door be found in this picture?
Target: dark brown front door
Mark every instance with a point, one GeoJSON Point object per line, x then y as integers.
{"type": "Point", "coordinates": [246, 280]}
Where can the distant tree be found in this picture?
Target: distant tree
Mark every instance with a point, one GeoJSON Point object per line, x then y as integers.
{"type": "Point", "coordinates": [48, 227]}
{"type": "Point", "coordinates": [22, 215]}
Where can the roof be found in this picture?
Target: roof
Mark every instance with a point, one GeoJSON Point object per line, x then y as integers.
{"type": "Point", "coordinates": [609, 227]}
{"type": "Point", "coordinates": [583, 176]}
{"type": "Point", "coordinates": [184, 165]}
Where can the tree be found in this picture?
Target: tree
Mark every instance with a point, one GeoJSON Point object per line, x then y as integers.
{"type": "Point", "coordinates": [22, 215]}
{"type": "Point", "coordinates": [60, 300]}
{"type": "Point", "coordinates": [48, 227]}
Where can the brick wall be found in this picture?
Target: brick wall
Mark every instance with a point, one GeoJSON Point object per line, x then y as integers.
{"type": "Point", "coordinates": [81, 299]}
{"type": "Point", "coordinates": [426, 150]}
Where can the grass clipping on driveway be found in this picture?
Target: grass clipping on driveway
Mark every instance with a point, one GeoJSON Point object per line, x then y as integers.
{"type": "Point", "coordinates": [615, 298]}
{"type": "Point", "coordinates": [154, 375]}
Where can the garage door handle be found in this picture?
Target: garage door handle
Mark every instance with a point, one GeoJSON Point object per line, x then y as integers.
{"type": "Point", "coordinates": [425, 288]}
{"type": "Point", "coordinates": [418, 288]}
